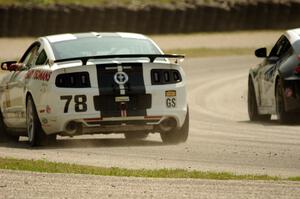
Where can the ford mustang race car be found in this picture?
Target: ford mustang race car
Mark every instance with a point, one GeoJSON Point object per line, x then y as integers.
{"type": "Point", "coordinates": [274, 85]}
{"type": "Point", "coordinates": [90, 83]}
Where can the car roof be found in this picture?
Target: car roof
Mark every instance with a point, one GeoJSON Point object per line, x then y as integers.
{"type": "Point", "coordinates": [293, 35]}
{"type": "Point", "coordinates": [72, 36]}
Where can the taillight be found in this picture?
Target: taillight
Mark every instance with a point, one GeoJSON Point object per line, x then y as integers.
{"type": "Point", "coordinates": [73, 80]}
{"type": "Point", "coordinates": [165, 76]}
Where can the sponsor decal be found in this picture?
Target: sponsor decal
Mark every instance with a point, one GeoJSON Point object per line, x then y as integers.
{"type": "Point", "coordinates": [44, 121]}
{"type": "Point", "coordinates": [122, 99]}
{"type": "Point", "coordinates": [48, 109]}
{"type": "Point", "coordinates": [38, 75]}
{"type": "Point", "coordinates": [170, 93]}
{"type": "Point", "coordinates": [170, 98]}
{"type": "Point", "coordinates": [121, 77]}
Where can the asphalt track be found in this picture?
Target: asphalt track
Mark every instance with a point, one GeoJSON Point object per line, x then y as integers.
{"type": "Point", "coordinates": [221, 136]}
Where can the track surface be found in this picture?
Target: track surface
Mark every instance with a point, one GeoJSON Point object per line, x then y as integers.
{"type": "Point", "coordinates": [221, 136]}
{"type": "Point", "coordinates": [221, 139]}
{"type": "Point", "coordinates": [40, 185]}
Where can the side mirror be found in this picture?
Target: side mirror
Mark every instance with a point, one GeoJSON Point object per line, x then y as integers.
{"type": "Point", "coordinates": [261, 52]}
{"type": "Point", "coordinates": [7, 65]}
{"type": "Point", "coordinates": [12, 66]}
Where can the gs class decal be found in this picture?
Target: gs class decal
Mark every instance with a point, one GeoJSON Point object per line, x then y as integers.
{"type": "Point", "coordinates": [38, 75]}
{"type": "Point", "coordinates": [170, 98]}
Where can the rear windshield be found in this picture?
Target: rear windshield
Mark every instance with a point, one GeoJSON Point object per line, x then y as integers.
{"type": "Point", "coordinates": [94, 46]}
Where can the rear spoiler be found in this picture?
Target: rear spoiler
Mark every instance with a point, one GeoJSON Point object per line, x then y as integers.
{"type": "Point", "coordinates": [151, 57]}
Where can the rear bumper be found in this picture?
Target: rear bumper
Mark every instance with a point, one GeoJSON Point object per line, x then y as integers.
{"type": "Point", "coordinates": [73, 125]}
{"type": "Point", "coordinates": [56, 120]}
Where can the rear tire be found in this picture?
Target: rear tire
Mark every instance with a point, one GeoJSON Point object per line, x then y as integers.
{"type": "Point", "coordinates": [252, 105]}
{"type": "Point", "coordinates": [36, 135]}
{"type": "Point", "coordinates": [4, 133]}
{"type": "Point", "coordinates": [177, 136]}
{"type": "Point", "coordinates": [282, 115]}
{"type": "Point", "coordinates": [136, 135]}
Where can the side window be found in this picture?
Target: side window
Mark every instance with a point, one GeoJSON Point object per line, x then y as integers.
{"type": "Point", "coordinates": [285, 47]}
{"type": "Point", "coordinates": [274, 50]}
{"type": "Point", "coordinates": [30, 56]}
{"type": "Point", "coordinates": [281, 47]}
{"type": "Point", "coordinates": [42, 58]}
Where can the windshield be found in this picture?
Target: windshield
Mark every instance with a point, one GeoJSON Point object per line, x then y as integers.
{"type": "Point", "coordinates": [94, 46]}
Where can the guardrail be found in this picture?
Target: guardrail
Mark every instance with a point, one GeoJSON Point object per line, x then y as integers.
{"type": "Point", "coordinates": [18, 21]}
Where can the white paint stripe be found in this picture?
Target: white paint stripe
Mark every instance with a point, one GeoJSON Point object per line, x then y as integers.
{"type": "Point", "coordinates": [111, 68]}
{"type": "Point", "coordinates": [120, 68]}
{"type": "Point", "coordinates": [121, 86]}
{"type": "Point", "coordinates": [61, 37]}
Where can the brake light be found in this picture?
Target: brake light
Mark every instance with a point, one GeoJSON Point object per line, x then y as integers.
{"type": "Point", "coordinates": [73, 80]}
{"type": "Point", "coordinates": [165, 76]}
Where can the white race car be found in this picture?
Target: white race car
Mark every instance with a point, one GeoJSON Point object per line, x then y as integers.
{"type": "Point", "coordinates": [91, 83]}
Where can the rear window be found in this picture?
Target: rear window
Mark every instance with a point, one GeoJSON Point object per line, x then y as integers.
{"type": "Point", "coordinates": [94, 46]}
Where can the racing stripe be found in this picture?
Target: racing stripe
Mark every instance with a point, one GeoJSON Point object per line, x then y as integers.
{"type": "Point", "coordinates": [134, 89]}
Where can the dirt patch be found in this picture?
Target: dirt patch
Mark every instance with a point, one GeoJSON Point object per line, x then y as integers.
{"type": "Point", "coordinates": [219, 40]}
{"type": "Point", "coordinates": [14, 47]}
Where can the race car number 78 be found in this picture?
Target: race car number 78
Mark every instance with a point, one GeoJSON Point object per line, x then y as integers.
{"type": "Point", "coordinates": [80, 103]}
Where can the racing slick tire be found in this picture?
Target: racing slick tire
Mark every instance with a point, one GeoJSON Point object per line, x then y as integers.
{"type": "Point", "coordinates": [36, 135]}
{"type": "Point", "coordinates": [136, 135]}
{"type": "Point", "coordinates": [252, 105]}
{"type": "Point", "coordinates": [4, 134]}
{"type": "Point", "coordinates": [177, 136]}
{"type": "Point", "coordinates": [282, 116]}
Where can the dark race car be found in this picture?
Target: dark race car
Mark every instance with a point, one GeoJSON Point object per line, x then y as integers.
{"type": "Point", "coordinates": [274, 85]}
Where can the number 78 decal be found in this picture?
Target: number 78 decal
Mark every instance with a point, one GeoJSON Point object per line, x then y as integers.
{"type": "Point", "coordinates": [80, 103]}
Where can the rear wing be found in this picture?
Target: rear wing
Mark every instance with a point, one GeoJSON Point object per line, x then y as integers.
{"type": "Point", "coordinates": [151, 57]}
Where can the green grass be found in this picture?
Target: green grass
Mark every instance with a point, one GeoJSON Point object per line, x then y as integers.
{"type": "Point", "coordinates": [212, 52]}
{"type": "Point", "coordinates": [53, 167]}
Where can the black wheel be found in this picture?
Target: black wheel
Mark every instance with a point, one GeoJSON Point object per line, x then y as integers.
{"type": "Point", "coordinates": [36, 135]}
{"type": "Point", "coordinates": [177, 135]}
{"type": "Point", "coordinates": [282, 116]}
{"type": "Point", "coordinates": [4, 133]}
{"type": "Point", "coordinates": [136, 135]}
{"type": "Point", "coordinates": [252, 105]}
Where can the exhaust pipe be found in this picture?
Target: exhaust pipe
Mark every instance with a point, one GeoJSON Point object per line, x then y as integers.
{"type": "Point", "coordinates": [72, 128]}
{"type": "Point", "coordinates": [168, 124]}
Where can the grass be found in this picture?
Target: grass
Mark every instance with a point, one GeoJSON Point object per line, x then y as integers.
{"type": "Point", "coordinates": [212, 52]}
{"type": "Point", "coordinates": [54, 167]}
